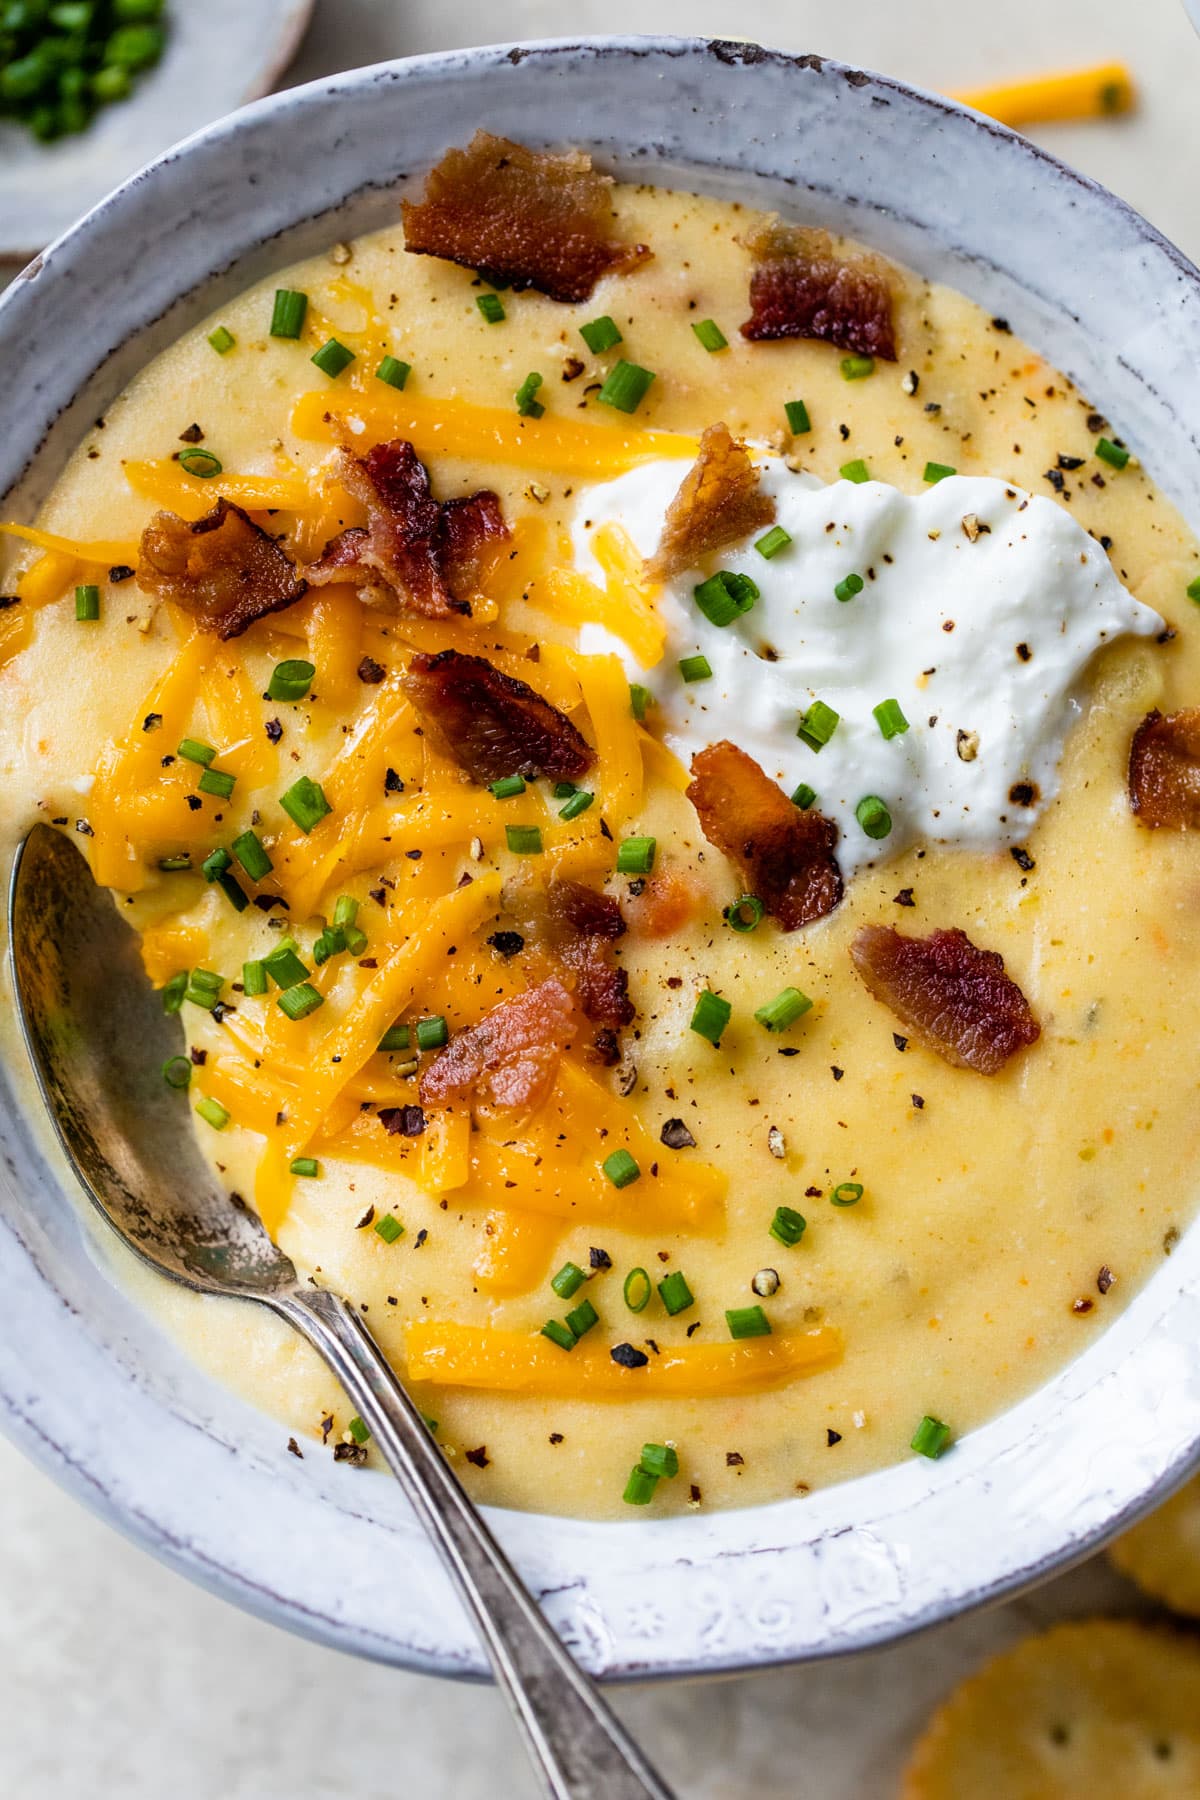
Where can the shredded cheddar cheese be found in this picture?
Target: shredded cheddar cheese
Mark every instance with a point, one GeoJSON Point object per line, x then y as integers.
{"type": "Point", "coordinates": [1095, 93]}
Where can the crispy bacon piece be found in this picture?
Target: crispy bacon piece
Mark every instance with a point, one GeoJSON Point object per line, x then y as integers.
{"type": "Point", "coordinates": [1164, 770]}
{"type": "Point", "coordinates": [222, 569]}
{"type": "Point", "coordinates": [507, 1061]}
{"type": "Point", "coordinates": [520, 216]}
{"type": "Point", "coordinates": [802, 287]}
{"type": "Point", "coordinates": [581, 925]}
{"type": "Point", "coordinates": [493, 724]}
{"type": "Point", "coordinates": [719, 502]}
{"type": "Point", "coordinates": [783, 855]}
{"type": "Point", "coordinates": [955, 997]}
{"type": "Point", "coordinates": [415, 552]}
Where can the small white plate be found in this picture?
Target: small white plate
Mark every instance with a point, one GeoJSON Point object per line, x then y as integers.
{"type": "Point", "coordinates": [219, 54]}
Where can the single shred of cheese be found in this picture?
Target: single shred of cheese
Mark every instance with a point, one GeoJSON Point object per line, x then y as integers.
{"type": "Point", "coordinates": [106, 553]}
{"type": "Point", "coordinates": [168, 484]}
{"type": "Point", "coordinates": [514, 1251]}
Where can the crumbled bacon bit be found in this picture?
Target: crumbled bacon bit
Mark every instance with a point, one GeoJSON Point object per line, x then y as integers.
{"type": "Point", "coordinates": [662, 905]}
{"type": "Point", "coordinates": [414, 552]}
{"type": "Point", "coordinates": [955, 997]}
{"type": "Point", "coordinates": [222, 569]}
{"type": "Point", "coordinates": [582, 923]}
{"type": "Point", "coordinates": [718, 503]}
{"type": "Point", "coordinates": [783, 855]}
{"type": "Point", "coordinates": [803, 287]}
{"type": "Point", "coordinates": [524, 217]}
{"type": "Point", "coordinates": [1164, 770]}
{"type": "Point", "coordinates": [510, 1058]}
{"type": "Point", "coordinates": [493, 724]}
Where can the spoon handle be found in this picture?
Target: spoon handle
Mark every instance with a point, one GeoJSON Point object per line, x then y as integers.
{"type": "Point", "coordinates": [578, 1746]}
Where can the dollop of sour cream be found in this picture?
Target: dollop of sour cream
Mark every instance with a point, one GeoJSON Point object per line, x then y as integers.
{"type": "Point", "coordinates": [979, 608]}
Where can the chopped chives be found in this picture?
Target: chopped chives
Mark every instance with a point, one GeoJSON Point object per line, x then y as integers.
{"type": "Point", "coordinates": [204, 988]}
{"type": "Point", "coordinates": [345, 909]}
{"type": "Point", "coordinates": [600, 334]}
{"type": "Point", "coordinates": [847, 1193]}
{"type": "Point", "coordinates": [578, 803]}
{"type": "Point", "coordinates": [1115, 455]}
{"type": "Point", "coordinates": [931, 1437]}
{"type": "Point", "coordinates": [332, 358]}
{"type": "Point", "coordinates": [559, 1334]}
{"type": "Point", "coordinates": [846, 590]}
{"type": "Point", "coordinates": [661, 1460]}
{"type": "Point", "coordinates": [524, 840]}
{"type": "Point", "coordinates": [569, 1280]}
{"type": "Point", "coordinates": [305, 803]}
{"type": "Point", "coordinates": [192, 750]}
{"type": "Point", "coordinates": [215, 863]}
{"type": "Point", "coordinates": [287, 314]}
{"type": "Point", "coordinates": [396, 1037]}
{"type": "Point", "coordinates": [788, 1226]}
{"type": "Point", "coordinates": [298, 1002]}
{"type": "Point", "coordinates": [747, 1322]}
{"type": "Point", "coordinates": [356, 940]}
{"type": "Point", "coordinates": [637, 1290]}
{"type": "Point", "coordinates": [432, 1033]}
{"type": "Point", "coordinates": [284, 967]}
{"type": "Point", "coordinates": [331, 942]}
{"type": "Point", "coordinates": [389, 1228]}
{"type": "Point", "coordinates": [222, 340]}
{"type": "Point", "coordinates": [508, 786]}
{"type": "Point", "coordinates": [218, 782]}
{"type": "Point", "coordinates": [873, 815]}
{"type": "Point", "coordinates": [254, 978]}
{"type": "Point", "coordinates": [1193, 590]}
{"type": "Point", "coordinates": [528, 404]}
{"type": "Point", "coordinates": [772, 542]}
{"type": "Point", "coordinates": [856, 368]}
{"type": "Point", "coordinates": [201, 463]}
{"type": "Point", "coordinates": [710, 334]}
{"type": "Point", "coordinates": [173, 991]}
{"type": "Point", "coordinates": [803, 796]}
{"type": "Point", "coordinates": [393, 371]}
{"type": "Point", "coordinates": [177, 1071]}
{"type": "Point", "coordinates": [797, 417]}
{"type": "Point", "coordinates": [639, 1489]}
{"type": "Point", "coordinates": [744, 913]}
{"type": "Point", "coordinates": [290, 680]}
{"type": "Point", "coordinates": [582, 1318]}
{"type": "Point", "coordinates": [725, 596]}
{"type": "Point", "coordinates": [635, 855]}
{"type": "Point", "coordinates": [492, 308]}
{"type": "Point", "coordinates": [621, 1168]}
{"type": "Point", "coordinates": [710, 1016]}
{"type": "Point", "coordinates": [787, 1006]}
{"type": "Point", "coordinates": [625, 387]}
{"type": "Point", "coordinates": [695, 668]}
{"type": "Point", "coordinates": [675, 1293]}
{"type": "Point", "coordinates": [564, 789]}
{"type": "Point", "coordinates": [938, 471]}
{"type": "Point", "coordinates": [307, 1166]}
{"type": "Point", "coordinates": [233, 892]}
{"type": "Point", "coordinates": [818, 725]}
{"type": "Point", "coordinates": [890, 719]}
{"type": "Point", "coordinates": [357, 1429]}
{"type": "Point", "coordinates": [855, 471]}
{"type": "Point", "coordinates": [212, 1112]}
{"type": "Point", "coordinates": [639, 699]}
{"type": "Point", "coordinates": [87, 604]}
{"type": "Point", "coordinates": [252, 854]}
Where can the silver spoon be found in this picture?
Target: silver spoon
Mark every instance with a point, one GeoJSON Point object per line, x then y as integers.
{"type": "Point", "coordinates": [98, 1037]}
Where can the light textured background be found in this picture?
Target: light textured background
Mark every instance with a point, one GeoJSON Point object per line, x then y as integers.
{"type": "Point", "coordinates": [118, 1679]}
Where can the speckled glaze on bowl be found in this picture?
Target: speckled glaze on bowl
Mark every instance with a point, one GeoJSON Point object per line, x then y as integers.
{"type": "Point", "coordinates": [88, 1384]}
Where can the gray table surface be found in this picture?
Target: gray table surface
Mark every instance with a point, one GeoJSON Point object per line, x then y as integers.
{"type": "Point", "coordinates": [118, 1678]}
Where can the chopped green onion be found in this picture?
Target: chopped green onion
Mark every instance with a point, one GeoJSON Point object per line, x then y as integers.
{"type": "Point", "coordinates": [218, 782]}
{"type": "Point", "coordinates": [432, 1033]}
{"type": "Point", "coordinates": [298, 1002]}
{"type": "Point", "coordinates": [695, 668]}
{"type": "Point", "coordinates": [661, 1460]}
{"type": "Point", "coordinates": [710, 334]}
{"type": "Point", "coordinates": [600, 334]}
{"type": "Point", "coordinates": [331, 942]}
{"type": "Point", "coordinates": [787, 1006]}
{"type": "Point", "coordinates": [389, 1228]}
{"type": "Point", "coordinates": [637, 1290]}
{"type": "Point", "coordinates": [204, 988]}
{"type": "Point", "coordinates": [358, 1431]}
{"type": "Point", "coordinates": [639, 1489]}
{"type": "Point", "coordinates": [233, 892]}
{"type": "Point", "coordinates": [846, 590]}
{"type": "Point", "coordinates": [847, 1193]}
{"type": "Point", "coordinates": [215, 863]}
{"type": "Point", "coordinates": [309, 1167]}
{"type": "Point", "coordinates": [797, 417]}
{"type": "Point", "coordinates": [889, 718]}
{"type": "Point", "coordinates": [393, 371]}
{"type": "Point", "coordinates": [856, 368]}
{"type": "Point", "coordinates": [675, 1293]}
{"type": "Point", "coordinates": [803, 796]}
{"type": "Point", "coordinates": [938, 471]}
{"type": "Point", "coordinates": [290, 680]}
{"type": "Point", "coordinates": [528, 405]}
{"type": "Point", "coordinates": [221, 340]}
{"type": "Point", "coordinates": [1115, 455]}
{"type": "Point", "coordinates": [559, 1334]}
{"type": "Point", "coordinates": [212, 1112]}
{"type": "Point", "coordinates": [621, 1168]}
{"type": "Point", "coordinates": [582, 1318]}
{"type": "Point", "coordinates": [710, 1017]}
{"type": "Point", "coordinates": [175, 865]}
{"type": "Point", "coordinates": [569, 1280]}
{"type": "Point", "coordinates": [725, 596]}
{"type": "Point", "coordinates": [492, 308]}
{"type": "Point", "coordinates": [1193, 590]}
{"type": "Point", "coordinates": [332, 358]}
{"type": "Point", "coordinates": [748, 1322]}
{"type": "Point", "coordinates": [578, 803]}
{"type": "Point", "coordinates": [931, 1437]}
{"type": "Point", "coordinates": [356, 940]}
{"type": "Point", "coordinates": [564, 789]}
{"type": "Point", "coordinates": [818, 725]}
{"type": "Point", "coordinates": [285, 968]}
{"type": "Point", "coordinates": [254, 978]}
{"type": "Point", "coordinates": [508, 786]}
{"type": "Point", "coordinates": [173, 991]}
{"type": "Point", "coordinates": [87, 604]}
{"type": "Point", "coordinates": [191, 750]}
{"type": "Point", "coordinates": [773, 542]}
{"type": "Point", "coordinates": [345, 909]}
{"type": "Point", "coordinates": [305, 803]}
{"type": "Point", "coordinates": [177, 1071]}
{"type": "Point", "coordinates": [635, 855]}
{"type": "Point", "coordinates": [251, 853]}
{"type": "Point", "coordinates": [639, 699]}
{"type": "Point", "coordinates": [396, 1037]}
{"type": "Point", "coordinates": [788, 1226]}
{"type": "Point", "coordinates": [287, 315]}
{"type": "Point", "coordinates": [625, 387]}
{"type": "Point", "coordinates": [855, 471]}
{"type": "Point", "coordinates": [744, 913]}
{"type": "Point", "coordinates": [873, 816]}
{"type": "Point", "coordinates": [524, 840]}
{"type": "Point", "coordinates": [201, 463]}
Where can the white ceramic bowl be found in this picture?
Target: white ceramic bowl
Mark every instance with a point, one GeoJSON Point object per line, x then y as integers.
{"type": "Point", "coordinates": [88, 1384]}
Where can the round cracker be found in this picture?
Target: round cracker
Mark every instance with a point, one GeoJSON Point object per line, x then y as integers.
{"type": "Point", "coordinates": [1095, 1707]}
{"type": "Point", "coordinates": [1162, 1554]}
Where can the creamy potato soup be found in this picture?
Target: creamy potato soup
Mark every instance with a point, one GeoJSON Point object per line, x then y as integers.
{"type": "Point", "coordinates": [622, 768]}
